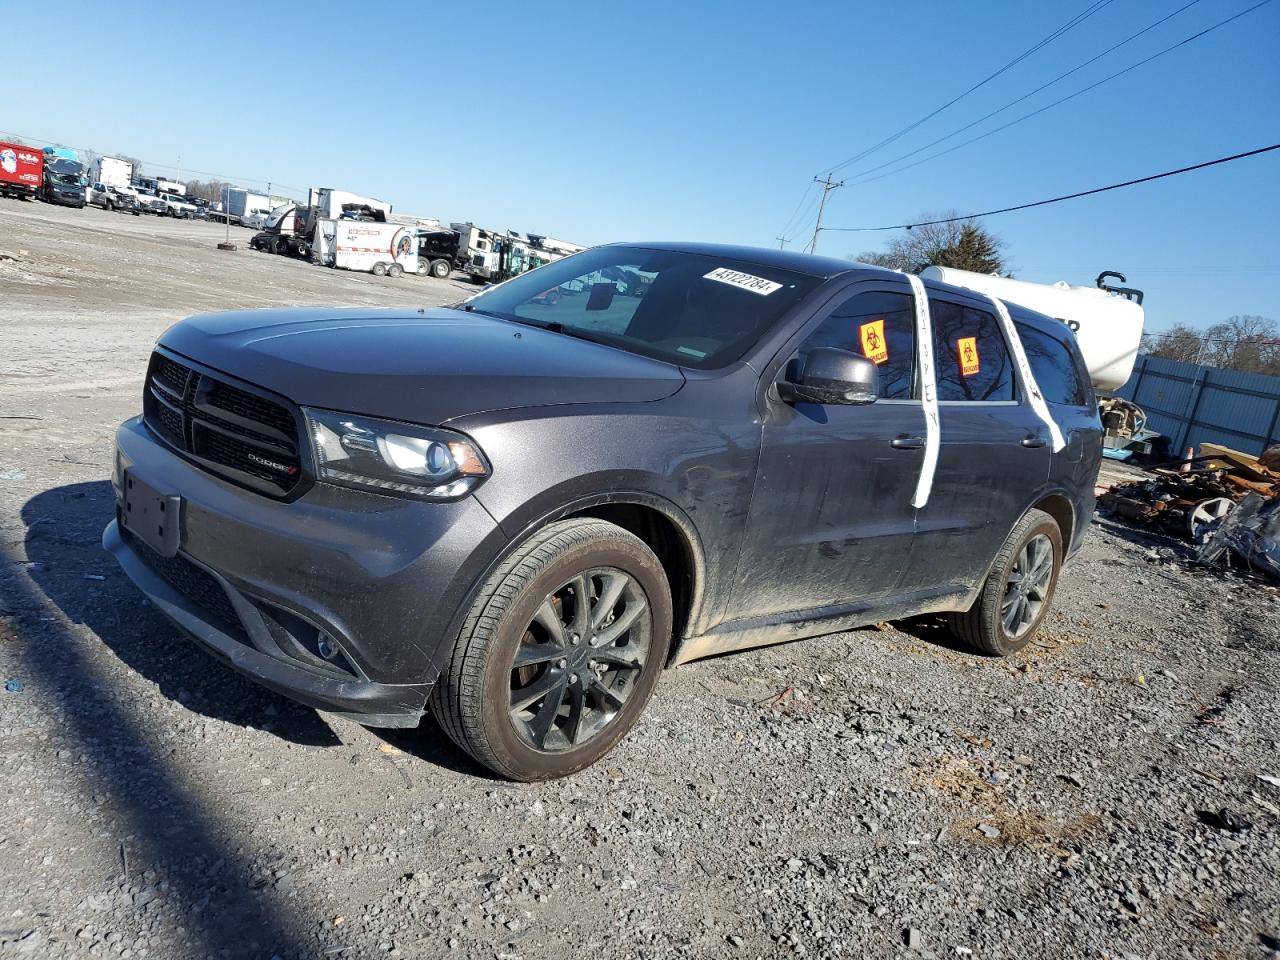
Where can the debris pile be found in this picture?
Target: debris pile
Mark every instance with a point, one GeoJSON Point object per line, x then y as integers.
{"type": "Point", "coordinates": [1223, 500]}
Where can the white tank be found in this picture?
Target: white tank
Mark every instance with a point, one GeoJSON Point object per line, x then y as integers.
{"type": "Point", "coordinates": [1108, 325]}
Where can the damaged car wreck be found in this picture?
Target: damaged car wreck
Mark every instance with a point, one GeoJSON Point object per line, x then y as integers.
{"type": "Point", "coordinates": [516, 512]}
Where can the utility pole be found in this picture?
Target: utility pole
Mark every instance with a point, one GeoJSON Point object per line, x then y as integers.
{"type": "Point", "coordinates": [827, 187]}
{"type": "Point", "coordinates": [782, 242]}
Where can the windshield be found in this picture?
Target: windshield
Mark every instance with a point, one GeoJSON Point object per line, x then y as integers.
{"type": "Point", "coordinates": [694, 310]}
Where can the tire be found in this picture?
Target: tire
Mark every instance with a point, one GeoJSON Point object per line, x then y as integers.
{"type": "Point", "coordinates": [379, 270]}
{"type": "Point", "coordinates": [472, 699]}
{"type": "Point", "coordinates": [279, 246]}
{"type": "Point", "coordinates": [983, 626]}
{"type": "Point", "coordinates": [424, 268]}
{"type": "Point", "coordinates": [108, 206]}
{"type": "Point", "coordinates": [395, 270]}
{"type": "Point", "coordinates": [440, 269]}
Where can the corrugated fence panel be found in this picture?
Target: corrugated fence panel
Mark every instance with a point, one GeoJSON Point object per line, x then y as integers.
{"type": "Point", "coordinates": [1192, 405]}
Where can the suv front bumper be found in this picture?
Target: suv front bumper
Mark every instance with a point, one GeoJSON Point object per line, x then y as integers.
{"type": "Point", "coordinates": [262, 583]}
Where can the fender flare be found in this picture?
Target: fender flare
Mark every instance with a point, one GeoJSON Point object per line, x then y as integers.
{"type": "Point", "coordinates": [670, 510]}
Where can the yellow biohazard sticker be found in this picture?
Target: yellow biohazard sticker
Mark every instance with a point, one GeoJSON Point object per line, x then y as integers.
{"type": "Point", "coordinates": [874, 347]}
{"type": "Point", "coordinates": [967, 351]}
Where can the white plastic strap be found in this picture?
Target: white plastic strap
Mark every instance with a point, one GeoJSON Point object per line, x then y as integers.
{"type": "Point", "coordinates": [1029, 386]}
{"type": "Point", "coordinates": [928, 393]}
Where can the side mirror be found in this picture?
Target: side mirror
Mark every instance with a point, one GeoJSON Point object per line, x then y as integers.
{"type": "Point", "coordinates": [827, 375]}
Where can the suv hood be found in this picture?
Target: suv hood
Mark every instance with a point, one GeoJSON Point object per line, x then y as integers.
{"type": "Point", "coordinates": [426, 366]}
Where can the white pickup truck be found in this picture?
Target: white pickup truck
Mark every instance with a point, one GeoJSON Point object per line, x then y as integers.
{"type": "Point", "coordinates": [176, 205]}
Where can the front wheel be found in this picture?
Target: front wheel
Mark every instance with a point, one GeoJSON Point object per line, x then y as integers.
{"type": "Point", "coordinates": [559, 653]}
{"type": "Point", "coordinates": [379, 269]}
{"type": "Point", "coordinates": [1018, 591]}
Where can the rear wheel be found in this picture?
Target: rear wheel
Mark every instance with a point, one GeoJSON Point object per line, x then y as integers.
{"type": "Point", "coordinates": [559, 653]}
{"type": "Point", "coordinates": [1018, 591]}
{"type": "Point", "coordinates": [440, 269]}
{"type": "Point", "coordinates": [379, 270]}
{"type": "Point", "coordinates": [395, 270]}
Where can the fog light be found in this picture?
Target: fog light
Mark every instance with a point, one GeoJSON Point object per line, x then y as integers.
{"type": "Point", "coordinates": [327, 648]}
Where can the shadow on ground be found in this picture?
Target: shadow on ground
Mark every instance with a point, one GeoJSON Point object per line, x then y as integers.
{"type": "Point", "coordinates": [63, 543]}
{"type": "Point", "coordinates": [173, 831]}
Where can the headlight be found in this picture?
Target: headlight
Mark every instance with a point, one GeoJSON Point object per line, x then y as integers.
{"type": "Point", "coordinates": [401, 459]}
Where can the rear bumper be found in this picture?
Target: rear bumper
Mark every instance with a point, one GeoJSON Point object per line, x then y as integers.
{"type": "Point", "coordinates": [261, 582]}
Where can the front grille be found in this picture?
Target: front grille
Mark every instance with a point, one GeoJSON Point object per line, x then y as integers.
{"type": "Point", "coordinates": [233, 432]}
{"type": "Point", "coordinates": [192, 582]}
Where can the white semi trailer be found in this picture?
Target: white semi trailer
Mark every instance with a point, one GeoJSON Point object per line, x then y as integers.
{"type": "Point", "coordinates": [1107, 319]}
{"type": "Point", "coordinates": [239, 204]}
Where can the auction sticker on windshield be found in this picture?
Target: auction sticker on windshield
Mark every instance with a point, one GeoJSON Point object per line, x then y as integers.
{"type": "Point", "coordinates": [744, 281]}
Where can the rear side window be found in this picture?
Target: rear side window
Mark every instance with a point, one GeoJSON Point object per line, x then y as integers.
{"type": "Point", "coordinates": [970, 354]}
{"type": "Point", "coordinates": [879, 326]}
{"type": "Point", "coordinates": [1054, 366]}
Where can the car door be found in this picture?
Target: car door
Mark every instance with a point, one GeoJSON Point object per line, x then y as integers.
{"type": "Point", "coordinates": [830, 520]}
{"type": "Point", "coordinates": [994, 453]}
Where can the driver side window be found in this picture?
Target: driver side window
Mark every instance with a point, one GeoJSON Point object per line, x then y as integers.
{"type": "Point", "coordinates": [880, 326]}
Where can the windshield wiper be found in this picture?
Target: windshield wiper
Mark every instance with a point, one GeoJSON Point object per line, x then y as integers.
{"type": "Point", "coordinates": [578, 334]}
{"type": "Point", "coordinates": [472, 308]}
{"type": "Point", "coordinates": [553, 326]}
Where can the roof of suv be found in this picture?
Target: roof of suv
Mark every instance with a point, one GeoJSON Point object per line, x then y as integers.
{"type": "Point", "coordinates": [806, 263]}
{"type": "Point", "coordinates": [827, 267]}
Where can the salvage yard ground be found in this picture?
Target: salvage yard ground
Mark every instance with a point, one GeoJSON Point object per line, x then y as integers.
{"type": "Point", "coordinates": [876, 793]}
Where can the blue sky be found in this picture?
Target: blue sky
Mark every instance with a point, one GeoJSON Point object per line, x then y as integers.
{"type": "Point", "coordinates": [690, 120]}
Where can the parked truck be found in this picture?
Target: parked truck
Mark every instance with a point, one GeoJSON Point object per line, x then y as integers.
{"type": "Point", "coordinates": [21, 171]}
{"type": "Point", "coordinates": [491, 256]}
{"type": "Point", "coordinates": [291, 229]}
{"type": "Point", "coordinates": [239, 205]}
{"type": "Point", "coordinates": [440, 252]}
{"type": "Point", "coordinates": [111, 172]}
{"type": "Point", "coordinates": [65, 180]}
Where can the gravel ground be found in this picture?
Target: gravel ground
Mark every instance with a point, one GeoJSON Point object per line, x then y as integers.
{"type": "Point", "coordinates": [875, 793]}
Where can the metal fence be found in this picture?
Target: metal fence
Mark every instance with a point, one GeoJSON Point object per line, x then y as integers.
{"type": "Point", "coordinates": [1191, 404]}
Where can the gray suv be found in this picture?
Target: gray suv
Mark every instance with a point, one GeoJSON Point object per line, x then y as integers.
{"type": "Point", "coordinates": [517, 511]}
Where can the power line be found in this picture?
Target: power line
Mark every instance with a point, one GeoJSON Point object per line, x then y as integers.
{"type": "Point", "coordinates": [1027, 96]}
{"type": "Point", "coordinates": [1248, 340]}
{"type": "Point", "coordinates": [803, 197]}
{"type": "Point", "coordinates": [1070, 96]}
{"type": "Point", "coordinates": [1073, 22]}
{"type": "Point", "coordinates": [1069, 196]}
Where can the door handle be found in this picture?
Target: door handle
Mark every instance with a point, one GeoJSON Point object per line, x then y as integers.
{"type": "Point", "coordinates": [1032, 441]}
{"type": "Point", "coordinates": [907, 443]}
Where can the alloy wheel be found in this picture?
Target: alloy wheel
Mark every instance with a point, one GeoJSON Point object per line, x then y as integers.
{"type": "Point", "coordinates": [1027, 586]}
{"type": "Point", "coordinates": [578, 659]}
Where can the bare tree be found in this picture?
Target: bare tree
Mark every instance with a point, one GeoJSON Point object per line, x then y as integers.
{"type": "Point", "coordinates": [210, 190]}
{"type": "Point", "coordinates": [964, 244]}
{"type": "Point", "coordinates": [1179, 342]}
{"type": "Point", "coordinates": [1250, 344]}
